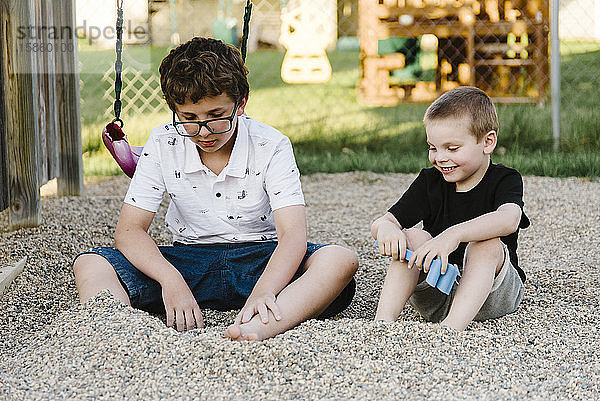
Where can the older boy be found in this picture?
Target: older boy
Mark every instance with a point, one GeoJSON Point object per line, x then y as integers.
{"type": "Point", "coordinates": [471, 210]}
{"type": "Point", "coordinates": [236, 213]}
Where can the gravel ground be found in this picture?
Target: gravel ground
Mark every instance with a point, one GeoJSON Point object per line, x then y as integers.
{"type": "Point", "coordinates": [53, 348]}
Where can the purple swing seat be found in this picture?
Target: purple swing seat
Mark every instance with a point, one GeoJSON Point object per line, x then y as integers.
{"type": "Point", "coordinates": [124, 154]}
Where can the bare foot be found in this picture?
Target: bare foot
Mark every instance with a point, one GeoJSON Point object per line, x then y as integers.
{"type": "Point", "coordinates": [237, 333]}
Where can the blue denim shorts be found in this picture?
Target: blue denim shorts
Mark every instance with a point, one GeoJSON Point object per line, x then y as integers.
{"type": "Point", "coordinates": [221, 276]}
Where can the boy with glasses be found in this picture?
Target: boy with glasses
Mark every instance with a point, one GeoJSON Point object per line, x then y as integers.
{"type": "Point", "coordinates": [236, 213]}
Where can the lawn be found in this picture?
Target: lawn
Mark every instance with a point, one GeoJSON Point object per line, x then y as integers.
{"type": "Point", "coordinates": [331, 132]}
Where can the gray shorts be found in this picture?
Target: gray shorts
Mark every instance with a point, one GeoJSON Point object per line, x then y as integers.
{"type": "Point", "coordinates": [504, 298]}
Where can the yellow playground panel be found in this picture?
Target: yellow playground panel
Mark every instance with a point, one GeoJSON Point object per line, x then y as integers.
{"type": "Point", "coordinates": [306, 27]}
{"type": "Point", "coordinates": [500, 46]}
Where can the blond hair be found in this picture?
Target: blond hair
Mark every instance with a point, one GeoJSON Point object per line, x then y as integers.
{"type": "Point", "coordinates": [466, 101]}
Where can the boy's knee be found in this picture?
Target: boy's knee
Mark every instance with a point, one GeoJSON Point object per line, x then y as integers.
{"type": "Point", "coordinates": [491, 249]}
{"type": "Point", "coordinates": [346, 258]}
{"type": "Point", "coordinates": [415, 237]}
{"type": "Point", "coordinates": [85, 263]}
{"type": "Point", "coordinates": [489, 246]}
{"type": "Point", "coordinates": [80, 263]}
{"type": "Point", "coordinates": [350, 260]}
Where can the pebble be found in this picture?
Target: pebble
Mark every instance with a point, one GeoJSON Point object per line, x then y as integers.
{"type": "Point", "coordinates": [53, 348]}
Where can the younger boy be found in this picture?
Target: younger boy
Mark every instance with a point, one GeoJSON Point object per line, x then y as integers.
{"type": "Point", "coordinates": [236, 213]}
{"type": "Point", "coordinates": [471, 210]}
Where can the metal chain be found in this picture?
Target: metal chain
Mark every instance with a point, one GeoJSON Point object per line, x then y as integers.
{"type": "Point", "coordinates": [119, 50]}
{"type": "Point", "coordinates": [119, 63]}
{"type": "Point", "coordinates": [246, 28]}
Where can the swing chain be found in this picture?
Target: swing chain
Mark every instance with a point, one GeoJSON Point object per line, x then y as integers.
{"type": "Point", "coordinates": [119, 50]}
{"type": "Point", "coordinates": [119, 63]}
{"type": "Point", "coordinates": [246, 28]}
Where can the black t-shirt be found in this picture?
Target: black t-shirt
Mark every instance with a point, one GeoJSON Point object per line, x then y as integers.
{"type": "Point", "coordinates": [435, 202]}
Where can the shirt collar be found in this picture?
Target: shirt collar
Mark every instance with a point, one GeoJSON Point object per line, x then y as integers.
{"type": "Point", "coordinates": [192, 161]}
{"type": "Point", "coordinates": [238, 160]}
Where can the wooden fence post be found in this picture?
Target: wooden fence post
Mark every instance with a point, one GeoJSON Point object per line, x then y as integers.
{"type": "Point", "coordinates": [49, 77]}
{"type": "Point", "coordinates": [39, 91]}
{"type": "Point", "coordinates": [18, 124]}
{"type": "Point", "coordinates": [3, 150]}
{"type": "Point", "coordinates": [70, 179]}
{"type": "Point", "coordinates": [46, 91]}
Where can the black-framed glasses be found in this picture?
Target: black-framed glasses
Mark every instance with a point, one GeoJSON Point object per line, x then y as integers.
{"type": "Point", "coordinates": [214, 125]}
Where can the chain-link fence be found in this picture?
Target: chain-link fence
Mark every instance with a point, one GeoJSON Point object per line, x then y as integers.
{"type": "Point", "coordinates": [579, 32]}
{"type": "Point", "coordinates": [400, 51]}
{"type": "Point", "coordinates": [498, 46]}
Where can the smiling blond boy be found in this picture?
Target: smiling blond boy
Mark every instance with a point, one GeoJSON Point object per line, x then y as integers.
{"type": "Point", "coordinates": [471, 210]}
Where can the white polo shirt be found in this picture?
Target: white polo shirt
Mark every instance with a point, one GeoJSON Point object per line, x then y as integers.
{"type": "Point", "coordinates": [235, 206]}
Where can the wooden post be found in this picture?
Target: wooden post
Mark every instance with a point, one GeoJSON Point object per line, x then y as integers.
{"type": "Point", "coordinates": [19, 120]}
{"type": "Point", "coordinates": [39, 92]}
{"type": "Point", "coordinates": [48, 75]}
{"type": "Point", "coordinates": [70, 179]}
{"type": "Point", "coordinates": [46, 92]}
{"type": "Point", "coordinates": [3, 150]}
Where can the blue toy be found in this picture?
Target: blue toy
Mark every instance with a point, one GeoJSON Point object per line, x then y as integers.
{"type": "Point", "coordinates": [435, 278]}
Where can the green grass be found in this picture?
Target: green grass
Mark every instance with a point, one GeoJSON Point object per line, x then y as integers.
{"type": "Point", "coordinates": [331, 132]}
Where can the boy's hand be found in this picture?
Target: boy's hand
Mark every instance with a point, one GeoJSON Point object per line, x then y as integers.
{"type": "Point", "coordinates": [440, 246]}
{"type": "Point", "coordinates": [259, 304]}
{"type": "Point", "coordinates": [181, 306]}
{"type": "Point", "coordinates": [391, 240]}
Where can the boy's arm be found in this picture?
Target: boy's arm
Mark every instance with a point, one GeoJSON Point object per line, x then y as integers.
{"type": "Point", "coordinates": [387, 231]}
{"type": "Point", "coordinates": [412, 207]}
{"type": "Point", "coordinates": [133, 241]}
{"type": "Point", "coordinates": [501, 222]}
{"type": "Point", "coordinates": [290, 223]}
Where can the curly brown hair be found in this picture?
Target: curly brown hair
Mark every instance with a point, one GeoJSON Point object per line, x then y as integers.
{"type": "Point", "coordinates": [466, 101]}
{"type": "Point", "coordinates": [200, 68]}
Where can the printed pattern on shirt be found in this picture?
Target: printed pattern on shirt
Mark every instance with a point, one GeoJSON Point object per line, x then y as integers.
{"type": "Point", "coordinates": [236, 205]}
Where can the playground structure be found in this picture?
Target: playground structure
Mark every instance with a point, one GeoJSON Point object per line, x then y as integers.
{"type": "Point", "coordinates": [500, 46]}
{"type": "Point", "coordinates": [40, 128]}
{"type": "Point", "coordinates": [305, 33]}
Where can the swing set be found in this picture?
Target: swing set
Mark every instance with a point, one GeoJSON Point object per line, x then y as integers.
{"type": "Point", "coordinates": [113, 136]}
